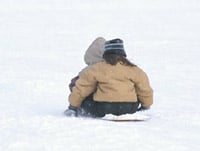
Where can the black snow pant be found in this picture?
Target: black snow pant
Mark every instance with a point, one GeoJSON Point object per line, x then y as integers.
{"type": "Point", "coordinates": [100, 109]}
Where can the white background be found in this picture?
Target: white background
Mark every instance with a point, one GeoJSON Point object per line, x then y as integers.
{"type": "Point", "coordinates": [42, 43]}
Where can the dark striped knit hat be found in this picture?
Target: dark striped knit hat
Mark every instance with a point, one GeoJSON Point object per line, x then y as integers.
{"type": "Point", "coordinates": [114, 46]}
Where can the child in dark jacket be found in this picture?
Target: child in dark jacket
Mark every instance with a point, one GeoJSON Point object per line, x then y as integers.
{"type": "Point", "coordinates": [93, 54]}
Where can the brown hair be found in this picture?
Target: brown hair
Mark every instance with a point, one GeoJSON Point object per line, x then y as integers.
{"type": "Point", "coordinates": [113, 59]}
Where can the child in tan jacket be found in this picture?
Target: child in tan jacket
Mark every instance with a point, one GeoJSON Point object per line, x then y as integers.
{"type": "Point", "coordinates": [113, 86]}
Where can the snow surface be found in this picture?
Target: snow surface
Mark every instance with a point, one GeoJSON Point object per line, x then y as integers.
{"type": "Point", "coordinates": [42, 43]}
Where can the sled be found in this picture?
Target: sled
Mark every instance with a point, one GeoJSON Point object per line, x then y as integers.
{"type": "Point", "coordinates": [126, 118]}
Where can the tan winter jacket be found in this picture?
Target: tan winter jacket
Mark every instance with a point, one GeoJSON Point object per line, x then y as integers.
{"type": "Point", "coordinates": [110, 83]}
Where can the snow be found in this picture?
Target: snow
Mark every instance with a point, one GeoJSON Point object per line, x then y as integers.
{"type": "Point", "coordinates": [41, 48]}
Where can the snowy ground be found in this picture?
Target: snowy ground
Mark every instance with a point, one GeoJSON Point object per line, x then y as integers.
{"type": "Point", "coordinates": [42, 43]}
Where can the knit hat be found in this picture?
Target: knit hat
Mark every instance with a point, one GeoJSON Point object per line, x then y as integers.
{"type": "Point", "coordinates": [114, 46]}
{"type": "Point", "coordinates": [94, 53]}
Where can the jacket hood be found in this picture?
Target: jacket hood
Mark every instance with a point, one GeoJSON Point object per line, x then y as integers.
{"type": "Point", "coordinates": [94, 53]}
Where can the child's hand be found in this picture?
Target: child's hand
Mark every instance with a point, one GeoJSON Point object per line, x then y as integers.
{"type": "Point", "coordinates": [71, 111]}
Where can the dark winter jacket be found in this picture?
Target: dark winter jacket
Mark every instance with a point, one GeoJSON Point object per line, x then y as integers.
{"type": "Point", "coordinates": [93, 54]}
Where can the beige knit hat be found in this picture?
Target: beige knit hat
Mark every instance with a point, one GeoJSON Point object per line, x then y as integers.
{"type": "Point", "coordinates": [94, 53]}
